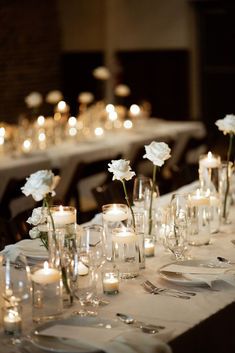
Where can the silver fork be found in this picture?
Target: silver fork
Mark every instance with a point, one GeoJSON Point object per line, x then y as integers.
{"type": "Point", "coordinates": [154, 287]}
{"type": "Point", "coordinates": [155, 291]}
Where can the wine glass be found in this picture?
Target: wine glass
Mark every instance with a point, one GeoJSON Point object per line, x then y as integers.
{"type": "Point", "coordinates": [142, 185]}
{"type": "Point", "coordinates": [16, 284]}
{"type": "Point", "coordinates": [16, 288]}
{"type": "Point", "coordinates": [176, 229]}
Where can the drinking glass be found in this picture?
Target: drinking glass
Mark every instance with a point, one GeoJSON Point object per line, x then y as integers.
{"type": "Point", "coordinates": [85, 289]}
{"type": "Point", "coordinates": [176, 229]}
{"type": "Point", "coordinates": [141, 186]}
{"type": "Point", "coordinates": [16, 284]}
{"type": "Point", "coordinates": [92, 238]}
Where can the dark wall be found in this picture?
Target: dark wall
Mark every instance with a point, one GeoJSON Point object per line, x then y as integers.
{"type": "Point", "coordinates": [29, 53]}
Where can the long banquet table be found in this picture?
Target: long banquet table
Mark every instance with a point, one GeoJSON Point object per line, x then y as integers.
{"type": "Point", "coordinates": [204, 323]}
{"type": "Point", "coordinates": [66, 155]}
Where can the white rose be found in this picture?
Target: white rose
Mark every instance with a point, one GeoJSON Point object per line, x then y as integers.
{"type": "Point", "coordinates": [101, 73]}
{"type": "Point", "coordinates": [122, 90]}
{"type": "Point", "coordinates": [54, 97]}
{"type": "Point", "coordinates": [40, 184]}
{"type": "Point", "coordinates": [34, 99]}
{"type": "Point", "coordinates": [85, 97]}
{"type": "Point", "coordinates": [39, 216]}
{"type": "Point", "coordinates": [227, 125]}
{"type": "Point", "coordinates": [157, 152]}
{"type": "Point", "coordinates": [34, 233]}
{"type": "Point", "coordinates": [120, 169]}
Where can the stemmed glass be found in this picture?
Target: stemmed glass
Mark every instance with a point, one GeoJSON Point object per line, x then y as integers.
{"type": "Point", "coordinates": [142, 186]}
{"type": "Point", "coordinates": [16, 288]}
{"type": "Point", "coordinates": [176, 229]}
{"type": "Point", "coordinates": [91, 257]}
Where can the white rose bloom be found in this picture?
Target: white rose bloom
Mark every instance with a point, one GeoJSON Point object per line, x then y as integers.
{"type": "Point", "coordinates": [34, 99]}
{"type": "Point", "coordinates": [34, 233]}
{"type": "Point", "coordinates": [227, 125]}
{"type": "Point", "coordinates": [40, 184]}
{"type": "Point", "coordinates": [122, 90]}
{"type": "Point", "coordinates": [157, 152]}
{"type": "Point", "coordinates": [120, 169]}
{"type": "Point", "coordinates": [39, 216]}
{"type": "Point", "coordinates": [101, 73]}
{"type": "Point", "coordinates": [54, 97]}
{"type": "Point", "coordinates": [85, 97]}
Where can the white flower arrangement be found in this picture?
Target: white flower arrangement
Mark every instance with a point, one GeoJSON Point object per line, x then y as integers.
{"type": "Point", "coordinates": [227, 125]}
{"type": "Point", "coordinates": [101, 73]}
{"type": "Point", "coordinates": [53, 97]}
{"type": "Point", "coordinates": [122, 171]}
{"type": "Point", "coordinates": [157, 153]}
{"type": "Point", "coordinates": [41, 184]}
{"type": "Point", "coordinates": [33, 100]}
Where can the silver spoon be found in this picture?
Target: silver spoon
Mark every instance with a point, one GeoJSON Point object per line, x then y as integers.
{"type": "Point", "coordinates": [148, 328]}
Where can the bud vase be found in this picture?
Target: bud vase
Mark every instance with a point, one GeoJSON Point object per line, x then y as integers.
{"type": "Point", "coordinates": [225, 190]}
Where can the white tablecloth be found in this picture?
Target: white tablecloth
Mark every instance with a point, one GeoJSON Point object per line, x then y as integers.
{"type": "Point", "coordinates": [178, 315]}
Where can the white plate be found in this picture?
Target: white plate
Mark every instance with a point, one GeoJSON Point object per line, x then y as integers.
{"type": "Point", "coordinates": [80, 344]}
{"type": "Point", "coordinates": [195, 279]}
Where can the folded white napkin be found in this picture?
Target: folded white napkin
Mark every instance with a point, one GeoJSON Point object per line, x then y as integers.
{"type": "Point", "coordinates": [203, 274]}
{"type": "Point", "coordinates": [108, 340]}
{"type": "Point", "coordinates": [31, 248]}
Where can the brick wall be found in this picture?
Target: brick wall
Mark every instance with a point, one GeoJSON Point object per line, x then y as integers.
{"type": "Point", "coordinates": [29, 53]}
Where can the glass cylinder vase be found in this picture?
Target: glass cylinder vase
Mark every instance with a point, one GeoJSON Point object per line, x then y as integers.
{"type": "Point", "coordinates": [62, 246]}
{"type": "Point", "coordinates": [225, 176]}
{"type": "Point", "coordinates": [209, 166]}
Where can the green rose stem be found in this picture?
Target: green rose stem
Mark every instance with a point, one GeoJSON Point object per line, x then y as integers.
{"type": "Point", "coordinates": [151, 199]}
{"type": "Point", "coordinates": [63, 270]}
{"type": "Point", "coordinates": [227, 174]}
{"type": "Point", "coordinates": [128, 202]}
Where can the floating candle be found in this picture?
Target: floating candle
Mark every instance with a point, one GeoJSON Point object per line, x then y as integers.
{"type": "Point", "coordinates": [115, 214]}
{"type": "Point", "coordinates": [46, 275]}
{"type": "Point", "coordinates": [124, 236]}
{"type": "Point", "coordinates": [198, 198]}
{"type": "Point", "coordinates": [209, 161]}
{"type": "Point", "coordinates": [64, 215]}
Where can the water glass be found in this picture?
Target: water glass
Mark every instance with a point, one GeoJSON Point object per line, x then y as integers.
{"type": "Point", "coordinates": [199, 218]}
{"type": "Point", "coordinates": [141, 186]}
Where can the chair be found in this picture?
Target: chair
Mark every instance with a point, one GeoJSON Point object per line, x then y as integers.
{"type": "Point", "coordinates": [112, 193]}
{"type": "Point", "coordinates": [83, 171]}
{"type": "Point", "coordinates": [6, 236]}
{"type": "Point", "coordinates": [19, 226]}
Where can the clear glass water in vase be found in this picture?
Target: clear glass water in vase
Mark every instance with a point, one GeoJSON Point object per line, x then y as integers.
{"type": "Point", "coordinates": [225, 193]}
{"type": "Point", "coordinates": [62, 246]}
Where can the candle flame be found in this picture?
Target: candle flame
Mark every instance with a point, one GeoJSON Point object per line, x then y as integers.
{"type": "Point", "coordinates": [46, 266]}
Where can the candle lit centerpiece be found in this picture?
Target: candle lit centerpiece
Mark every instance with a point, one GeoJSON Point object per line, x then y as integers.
{"type": "Point", "coordinates": [12, 320]}
{"type": "Point", "coordinates": [110, 282]}
{"type": "Point", "coordinates": [198, 203]}
{"type": "Point", "coordinates": [114, 216]}
{"type": "Point", "coordinates": [149, 247]}
{"type": "Point", "coordinates": [62, 244]}
{"type": "Point", "coordinates": [47, 292]}
{"type": "Point", "coordinates": [126, 251]}
{"type": "Point", "coordinates": [209, 165]}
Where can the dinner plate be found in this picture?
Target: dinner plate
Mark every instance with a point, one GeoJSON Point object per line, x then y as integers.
{"type": "Point", "coordinates": [195, 279]}
{"type": "Point", "coordinates": [86, 341]}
